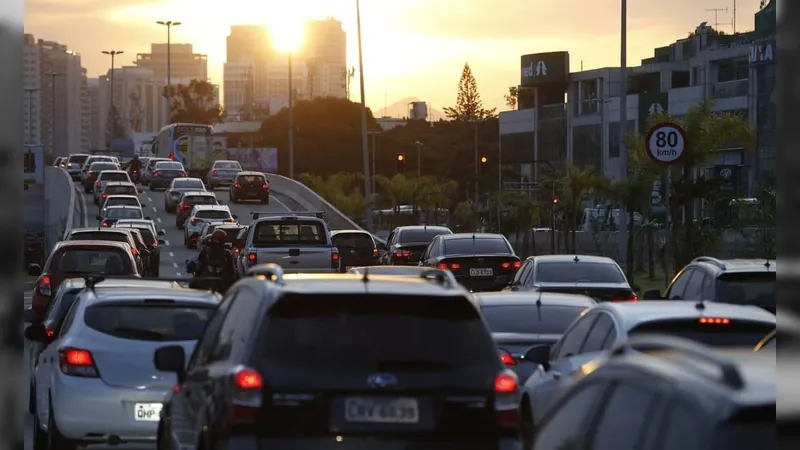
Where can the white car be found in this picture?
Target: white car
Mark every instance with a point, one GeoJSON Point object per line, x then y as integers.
{"type": "Point", "coordinates": [75, 165]}
{"type": "Point", "coordinates": [108, 176]}
{"type": "Point", "coordinates": [93, 159]}
{"type": "Point", "coordinates": [199, 216]}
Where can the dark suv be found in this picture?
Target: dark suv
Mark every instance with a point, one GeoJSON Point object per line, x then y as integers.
{"type": "Point", "coordinates": [379, 362]}
{"type": "Point", "coordinates": [739, 281]}
{"type": "Point", "coordinates": [668, 394]}
{"type": "Point", "coordinates": [356, 247]}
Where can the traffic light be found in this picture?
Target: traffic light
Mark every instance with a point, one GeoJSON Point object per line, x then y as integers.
{"type": "Point", "coordinates": [30, 162]}
{"type": "Point", "coordinates": [401, 162]}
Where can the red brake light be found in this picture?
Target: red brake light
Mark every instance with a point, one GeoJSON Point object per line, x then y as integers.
{"type": "Point", "coordinates": [97, 183]}
{"type": "Point", "coordinates": [508, 360]}
{"type": "Point", "coordinates": [172, 156]}
{"type": "Point", "coordinates": [155, 174]}
{"type": "Point", "coordinates": [265, 186]}
{"type": "Point", "coordinates": [517, 264]}
{"type": "Point", "coordinates": [105, 195]}
{"type": "Point", "coordinates": [237, 186]}
{"type": "Point", "coordinates": [76, 362]}
{"type": "Point", "coordinates": [44, 285]}
{"type": "Point", "coordinates": [632, 297]}
{"type": "Point", "coordinates": [183, 174]}
{"type": "Point", "coordinates": [442, 266]}
{"type": "Point", "coordinates": [375, 252]}
{"type": "Point", "coordinates": [246, 402]}
{"type": "Point", "coordinates": [214, 172]}
{"type": "Point", "coordinates": [506, 407]}
{"type": "Point", "coordinates": [453, 266]}
{"type": "Point", "coordinates": [135, 252]}
{"type": "Point", "coordinates": [714, 320]}
{"type": "Point", "coordinates": [194, 221]}
{"type": "Point", "coordinates": [249, 379]}
{"type": "Point", "coordinates": [251, 258]}
{"type": "Point", "coordinates": [49, 332]}
{"type": "Point", "coordinates": [505, 383]}
{"type": "Point", "coordinates": [335, 260]}
{"type": "Point", "coordinates": [402, 254]}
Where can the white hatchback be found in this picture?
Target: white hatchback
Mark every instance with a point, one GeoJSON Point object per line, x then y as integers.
{"type": "Point", "coordinates": [199, 216]}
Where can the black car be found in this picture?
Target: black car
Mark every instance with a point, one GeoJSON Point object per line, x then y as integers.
{"type": "Point", "coordinates": [356, 247]}
{"type": "Point", "coordinates": [164, 172]}
{"type": "Point", "coordinates": [389, 362]}
{"type": "Point", "coordinates": [152, 242]}
{"type": "Point", "coordinates": [739, 281]}
{"type": "Point", "coordinates": [249, 186]}
{"type": "Point", "coordinates": [667, 393]}
{"type": "Point", "coordinates": [480, 261]}
{"type": "Point", "coordinates": [405, 245]}
{"type": "Point", "coordinates": [188, 200]}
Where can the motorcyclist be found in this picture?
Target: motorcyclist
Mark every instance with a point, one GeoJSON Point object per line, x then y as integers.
{"type": "Point", "coordinates": [215, 260]}
{"type": "Point", "coordinates": [135, 166]}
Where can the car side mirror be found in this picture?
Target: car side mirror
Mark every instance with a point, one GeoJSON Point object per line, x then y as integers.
{"type": "Point", "coordinates": [28, 316]}
{"type": "Point", "coordinates": [36, 333]}
{"type": "Point", "coordinates": [538, 354]}
{"type": "Point", "coordinates": [34, 270]}
{"type": "Point", "coordinates": [147, 218]}
{"type": "Point", "coordinates": [98, 217]}
{"type": "Point", "coordinates": [653, 294]}
{"type": "Point", "coordinates": [162, 242]}
{"type": "Point", "coordinates": [171, 358]}
{"type": "Point", "coordinates": [235, 216]}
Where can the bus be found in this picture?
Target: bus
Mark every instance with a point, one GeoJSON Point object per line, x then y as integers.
{"type": "Point", "coordinates": [188, 143]}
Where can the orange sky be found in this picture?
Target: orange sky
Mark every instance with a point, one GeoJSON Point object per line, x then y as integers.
{"type": "Point", "coordinates": [412, 48]}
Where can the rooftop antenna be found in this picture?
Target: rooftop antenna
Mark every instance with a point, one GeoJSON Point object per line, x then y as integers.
{"type": "Point", "coordinates": [716, 12]}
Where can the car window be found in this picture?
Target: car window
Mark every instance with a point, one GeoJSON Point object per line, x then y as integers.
{"type": "Point", "coordinates": [624, 419]}
{"type": "Point", "coordinates": [60, 306]}
{"type": "Point", "coordinates": [210, 336]}
{"type": "Point", "coordinates": [227, 165]}
{"type": "Point", "coordinates": [387, 335]}
{"type": "Point", "coordinates": [346, 241]}
{"type": "Point", "coordinates": [149, 238]}
{"type": "Point", "coordinates": [107, 261]}
{"type": "Point", "coordinates": [153, 162]}
{"type": "Point", "coordinates": [298, 232]}
{"type": "Point", "coordinates": [547, 319]}
{"type": "Point", "coordinates": [182, 183]}
{"type": "Point", "coordinates": [755, 288]}
{"type": "Point", "coordinates": [177, 321]}
{"type": "Point", "coordinates": [99, 236]}
{"type": "Point", "coordinates": [578, 272]}
{"type": "Point", "coordinates": [679, 430]}
{"type": "Point", "coordinates": [213, 214]}
{"type": "Point", "coordinates": [124, 213]}
{"type": "Point", "coordinates": [694, 288]}
{"type": "Point", "coordinates": [120, 190]}
{"type": "Point", "coordinates": [478, 246]}
{"type": "Point", "coordinates": [564, 426]}
{"type": "Point", "coordinates": [731, 334]}
{"type": "Point", "coordinates": [678, 287]}
{"type": "Point", "coordinates": [122, 201]}
{"type": "Point", "coordinates": [420, 236]}
{"type": "Point", "coordinates": [114, 176]}
{"type": "Point", "coordinates": [200, 200]}
{"type": "Point", "coordinates": [169, 166]}
{"type": "Point", "coordinates": [97, 167]}
{"type": "Point", "coordinates": [80, 159]}
{"type": "Point", "coordinates": [251, 179]}
{"type": "Point", "coordinates": [69, 319]}
{"type": "Point", "coordinates": [572, 341]}
{"type": "Point", "coordinates": [598, 337]}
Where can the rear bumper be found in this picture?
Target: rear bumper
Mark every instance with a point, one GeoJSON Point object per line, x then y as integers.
{"type": "Point", "coordinates": [218, 181]}
{"type": "Point", "coordinates": [159, 182]}
{"type": "Point", "coordinates": [334, 442]}
{"type": "Point", "coordinates": [485, 285]}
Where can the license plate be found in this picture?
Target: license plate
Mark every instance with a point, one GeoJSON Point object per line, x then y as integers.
{"type": "Point", "coordinates": [374, 410]}
{"type": "Point", "coordinates": [481, 272]}
{"type": "Point", "coordinates": [147, 412]}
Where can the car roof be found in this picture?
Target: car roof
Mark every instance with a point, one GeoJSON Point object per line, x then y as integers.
{"type": "Point", "coordinates": [118, 183]}
{"type": "Point", "coordinates": [211, 208]}
{"type": "Point", "coordinates": [423, 227]}
{"type": "Point", "coordinates": [336, 283]}
{"type": "Point", "coordinates": [135, 197]}
{"type": "Point", "coordinates": [123, 207]}
{"type": "Point", "coordinates": [95, 230]}
{"type": "Point", "coordinates": [123, 293]}
{"type": "Point", "coordinates": [199, 193]}
{"type": "Point", "coordinates": [227, 161]}
{"type": "Point", "coordinates": [91, 243]}
{"type": "Point", "coordinates": [74, 283]}
{"type": "Point", "coordinates": [187, 179]}
{"type": "Point", "coordinates": [632, 314]}
{"type": "Point", "coordinates": [335, 232]}
{"type": "Point", "coordinates": [250, 172]}
{"type": "Point", "coordinates": [460, 236]}
{"type": "Point", "coordinates": [112, 171]}
{"type": "Point", "coordinates": [510, 298]}
{"type": "Point", "coordinates": [136, 222]}
{"type": "Point", "coordinates": [168, 161]}
{"type": "Point", "coordinates": [571, 258]}
{"type": "Point", "coordinates": [736, 265]}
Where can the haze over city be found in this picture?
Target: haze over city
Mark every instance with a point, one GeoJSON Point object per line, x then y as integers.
{"type": "Point", "coordinates": [414, 48]}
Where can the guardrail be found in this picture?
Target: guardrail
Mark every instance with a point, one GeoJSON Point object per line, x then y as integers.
{"type": "Point", "coordinates": [61, 205]}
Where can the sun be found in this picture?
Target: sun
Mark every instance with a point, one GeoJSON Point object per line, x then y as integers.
{"type": "Point", "coordinates": [287, 35]}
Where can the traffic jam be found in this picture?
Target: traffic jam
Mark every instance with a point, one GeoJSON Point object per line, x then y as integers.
{"type": "Point", "coordinates": [274, 331]}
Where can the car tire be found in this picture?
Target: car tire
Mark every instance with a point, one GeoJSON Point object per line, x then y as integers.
{"type": "Point", "coordinates": [55, 440]}
{"type": "Point", "coordinates": [161, 443]}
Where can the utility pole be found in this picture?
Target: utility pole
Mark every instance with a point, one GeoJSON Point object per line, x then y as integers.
{"type": "Point", "coordinates": [53, 76]}
{"type": "Point", "coordinates": [477, 168]}
{"type": "Point", "coordinates": [112, 53]}
{"type": "Point", "coordinates": [364, 143]}
{"type": "Point", "coordinates": [169, 24]}
{"type": "Point", "coordinates": [623, 123]}
{"type": "Point", "coordinates": [374, 158]}
{"type": "Point", "coordinates": [291, 120]}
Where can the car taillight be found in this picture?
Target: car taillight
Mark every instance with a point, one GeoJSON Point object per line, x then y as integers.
{"type": "Point", "coordinates": [97, 184]}
{"type": "Point", "coordinates": [237, 186]}
{"type": "Point", "coordinates": [105, 224]}
{"type": "Point", "coordinates": [214, 172]}
{"type": "Point", "coordinates": [252, 257]}
{"type": "Point", "coordinates": [77, 362]}
{"type": "Point", "coordinates": [134, 252]}
{"type": "Point", "coordinates": [49, 333]}
{"type": "Point", "coordinates": [443, 266]}
{"type": "Point", "coordinates": [69, 165]}
{"type": "Point", "coordinates": [511, 265]}
{"type": "Point", "coordinates": [375, 252]}
{"type": "Point", "coordinates": [632, 297]}
{"type": "Point", "coordinates": [335, 260]}
{"type": "Point", "coordinates": [237, 250]}
{"type": "Point", "coordinates": [172, 156]}
{"type": "Point", "coordinates": [265, 186]}
{"type": "Point", "coordinates": [714, 320]}
{"type": "Point", "coordinates": [402, 254]}
{"type": "Point", "coordinates": [105, 196]}
{"type": "Point", "coordinates": [506, 408]}
{"type": "Point", "coordinates": [194, 221]}
{"type": "Point", "coordinates": [44, 285]}
{"type": "Point", "coordinates": [155, 174]}
{"type": "Point", "coordinates": [183, 174]}
{"type": "Point", "coordinates": [246, 396]}
{"type": "Point", "coordinates": [507, 359]}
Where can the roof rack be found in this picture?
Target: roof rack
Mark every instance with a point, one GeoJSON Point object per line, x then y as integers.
{"type": "Point", "coordinates": [711, 260]}
{"type": "Point", "coordinates": [287, 214]}
{"type": "Point", "coordinates": [270, 271]}
{"type": "Point", "coordinates": [444, 278]}
{"type": "Point", "coordinates": [93, 280]}
{"type": "Point", "coordinates": [654, 342]}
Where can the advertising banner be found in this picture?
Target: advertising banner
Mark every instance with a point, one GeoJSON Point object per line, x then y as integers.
{"type": "Point", "coordinates": [762, 52]}
{"type": "Point", "coordinates": [542, 68]}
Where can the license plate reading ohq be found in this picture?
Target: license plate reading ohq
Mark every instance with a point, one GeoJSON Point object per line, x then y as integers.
{"type": "Point", "coordinates": [481, 272]}
{"type": "Point", "coordinates": [147, 412]}
{"type": "Point", "coordinates": [368, 410]}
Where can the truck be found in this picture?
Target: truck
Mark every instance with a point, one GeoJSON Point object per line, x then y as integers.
{"type": "Point", "coordinates": [299, 242]}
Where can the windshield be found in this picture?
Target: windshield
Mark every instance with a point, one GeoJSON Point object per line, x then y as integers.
{"type": "Point", "coordinates": [421, 236]}
{"type": "Point", "coordinates": [479, 246]}
{"type": "Point", "coordinates": [122, 201]}
{"type": "Point", "coordinates": [151, 163]}
{"type": "Point", "coordinates": [124, 213]}
{"type": "Point", "coordinates": [109, 262]}
{"type": "Point", "coordinates": [114, 176]}
{"type": "Point", "coordinates": [252, 179]}
{"type": "Point", "coordinates": [578, 272]}
{"type": "Point", "coordinates": [80, 159]}
{"type": "Point", "coordinates": [188, 183]}
{"type": "Point", "coordinates": [214, 214]}
{"type": "Point", "coordinates": [296, 233]}
{"type": "Point", "coordinates": [200, 200]}
{"type": "Point", "coordinates": [757, 288]}
{"type": "Point", "coordinates": [227, 165]}
{"type": "Point", "coordinates": [734, 334]}
{"type": "Point", "coordinates": [120, 190]}
{"type": "Point", "coordinates": [169, 166]}
{"type": "Point", "coordinates": [353, 241]}
{"type": "Point", "coordinates": [529, 319]}
{"type": "Point", "coordinates": [145, 322]}
{"type": "Point", "coordinates": [99, 236]}
{"type": "Point", "coordinates": [98, 167]}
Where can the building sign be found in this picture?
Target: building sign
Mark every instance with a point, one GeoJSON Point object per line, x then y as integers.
{"type": "Point", "coordinates": [728, 177]}
{"type": "Point", "coordinates": [541, 68]}
{"type": "Point", "coordinates": [650, 104]}
{"type": "Point", "coordinates": [763, 52]}
{"type": "Point", "coordinates": [191, 130]}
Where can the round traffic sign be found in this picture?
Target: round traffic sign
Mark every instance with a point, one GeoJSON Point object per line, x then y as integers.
{"type": "Point", "coordinates": [665, 143]}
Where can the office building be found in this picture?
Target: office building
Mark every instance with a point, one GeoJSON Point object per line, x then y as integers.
{"type": "Point", "coordinates": [31, 106]}
{"type": "Point", "coordinates": [63, 75]}
{"type": "Point", "coordinates": [239, 89]}
{"type": "Point", "coordinates": [138, 98]}
{"type": "Point", "coordinates": [184, 62]}
{"type": "Point", "coordinates": [325, 51]}
{"type": "Point", "coordinates": [86, 113]}
{"type": "Point", "coordinates": [97, 138]}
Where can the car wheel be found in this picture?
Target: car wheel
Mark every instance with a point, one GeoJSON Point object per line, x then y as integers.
{"type": "Point", "coordinates": [161, 442]}
{"type": "Point", "coordinates": [55, 440]}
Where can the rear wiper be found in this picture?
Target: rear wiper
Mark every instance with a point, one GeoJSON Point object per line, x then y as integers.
{"type": "Point", "coordinates": [413, 365]}
{"type": "Point", "coordinates": [147, 334]}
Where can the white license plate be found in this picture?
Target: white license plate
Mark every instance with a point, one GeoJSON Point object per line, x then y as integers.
{"type": "Point", "coordinates": [372, 410]}
{"type": "Point", "coordinates": [481, 272]}
{"type": "Point", "coordinates": [147, 412]}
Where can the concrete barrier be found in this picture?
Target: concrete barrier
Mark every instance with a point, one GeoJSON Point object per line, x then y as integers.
{"type": "Point", "coordinates": [60, 203]}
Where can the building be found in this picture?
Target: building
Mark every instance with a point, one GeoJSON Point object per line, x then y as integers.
{"type": "Point", "coordinates": [248, 48]}
{"type": "Point", "coordinates": [574, 117]}
{"type": "Point", "coordinates": [238, 87]}
{"type": "Point", "coordinates": [184, 62]}
{"type": "Point", "coordinates": [63, 76]}
{"type": "Point", "coordinates": [138, 98]}
{"type": "Point", "coordinates": [86, 113]}
{"type": "Point", "coordinates": [97, 138]}
{"type": "Point", "coordinates": [325, 51]}
{"type": "Point", "coordinates": [32, 80]}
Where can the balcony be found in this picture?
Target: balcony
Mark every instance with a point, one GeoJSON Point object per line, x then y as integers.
{"type": "Point", "coordinates": [729, 89]}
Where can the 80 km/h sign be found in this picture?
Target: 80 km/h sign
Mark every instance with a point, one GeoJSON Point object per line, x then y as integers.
{"type": "Point", "coordinates": [665, 143]}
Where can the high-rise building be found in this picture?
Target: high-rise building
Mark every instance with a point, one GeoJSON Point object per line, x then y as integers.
{"type": "Point", "coordinates": [67, 84]}
{"type": "Point", "coordinates": [97, 138]}
{"type": "Point", "coordinates": [239, 89]}
{"type": "Point", "coordinates": [31, 107]}
{"type": "Point", "coordinates": [138, 98]}
{"type": "Point", "coordinates": [86, 114]}
{"type": "Point", "coordinates": [325, 52]}
{"type": "Point", "coordinates": [248, 48]}
{"type": "Point", "coordinates": [184, 62]}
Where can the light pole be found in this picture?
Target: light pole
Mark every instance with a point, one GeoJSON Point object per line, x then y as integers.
{"type": "Point", "coordinates": [30, 92]}
{"type": "Point", "coordinates": [53, 76]}
{"type": "Point", "coordinates": [374, 155]}
{"type": "Point", "coordinates": [364, 143]}
{"type": "Point", "coordinates": [169, 24]}
{"type": "Point", "coordinates": [419, 160]}
{"type": "Point", "coordinates": [291, 120]}
{"type": "Point", "coordinates": [623, 124]}
{"type": "Point", "coordinates": [477, 168]}
{"type": "Point", "coordinates": [113, 54]}
{"type": "Point", "coordinates": [553, 207]}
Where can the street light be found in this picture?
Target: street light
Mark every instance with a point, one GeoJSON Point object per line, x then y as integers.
{"type": "Point", "coordinates": [364, 143]}
{"type": "Point", "coordinates": [169, 24]}
{"type": "Point", "coordinates": [374, 154]}
{"type": "Point", "coordinates": [477, 166]}
{"type": "Point", "coordinates": [291, 119]}
{"type": "Point", "coordinates": [623, 123]}
{"type": "Point", "coordinates": [112, 53]}
{"type": "Point", "coordinates": [553, 208]}
{"type": "Point", "coordinates": [53, 76]}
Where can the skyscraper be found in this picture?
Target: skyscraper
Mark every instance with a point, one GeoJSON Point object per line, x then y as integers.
{"type": "Point", "coordinates": [32, 79]}
{"type": "Point", "coordinates": [184, 62]}
{"type": "Point", "coordinates": [325, 52]}
{"type": "Point", "coordinates": [68, 86]}
{"type": "Point", "coordinates": [248, 48]}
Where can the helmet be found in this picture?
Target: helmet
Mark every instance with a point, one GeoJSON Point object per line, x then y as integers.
{"type": "Point", "coordinates": [218, 236]}
{"type": "Point", "coordinates": [135, 156]}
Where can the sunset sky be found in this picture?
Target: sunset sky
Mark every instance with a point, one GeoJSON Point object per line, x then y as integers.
{"type": "Point", "coordinates": [412, 48]}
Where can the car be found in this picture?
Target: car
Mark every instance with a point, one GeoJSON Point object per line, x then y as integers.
{"type": "Point", "coordinates": [667, 393]}
{"type": "Point", "coordinates": [94, 159]}
{"type": "Point", "coordinates": [394, 271]}
{"type": "Point", "coordinates": [151, 239]}
{"type": "Point", "coordinates": [164, 172]}
{"type": "Point", "coordinates": [356, 247]}
{"type": "Point", "coordinates": [480, 261]}
{"type": "Point", "coordinates": [405, 245]}
{"type": "Point", "coordinates": [143, 249]}
{"type": "Point", "coordinates": [91, 172]}
{"type": "Point", "coordinates": [114, 213]}
{"type": "Point", "coordinates": [597, 276]}
{"type": "Point", "coordinates": [73, 258]}
{"type": "Point", "coordinates": [118, 188]}
{"type": "Point", "coordinates": [739, 281]}
{"type": "Point", "coordinates": [590, 338]}
{"type": "Point", "coordinates": [188, 201]}
{"type": "Point", "coordinates": [520, 320]}
{"type": "Point", "coordinates": [249, 186]}
{"type": "Point", "coordinates": [60, 161]}
{"type": "Point", "coordinates": [412, 364]}
{"type": "Point", "coordinates": [105, 177]}
{"type": "Point", "coordinates": [95, 382]}
{"type": "Point", "coordinates": [147, 173]}
{"type": "Point", "coordinates": [114, 200]}
{"type": "Point", "coordinates": [57, 311]}
{"type": "Point", "coordinates": [222, 173]}
{"type": "Point", "coordinates": [74, 165]}
{"type": "Point", "coordinates": [201, 214]}
{"type": "Point", "coordinates": [108, 234]}
{"type": "Point", "coordinates": [177, 188]}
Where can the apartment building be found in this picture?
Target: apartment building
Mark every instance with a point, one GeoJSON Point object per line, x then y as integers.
{"type": "Point", "coordinates": [239, 88]}
{"type": "Point", "coordinates": [31, 106]}
{"type": "Point", "coordinates": [61, 87]}
{"type": "Point", "coordinates": [184, 62]}
{"type": "Point", "coordinates": [325, 51]}
{"type": "Point", "coordinates": [97, 138]}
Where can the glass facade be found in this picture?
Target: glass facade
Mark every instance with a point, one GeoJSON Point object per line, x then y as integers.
{"type": "Point", "coordinates": [613, 137]}
{"type": "Point", "coordinates": [587, 146]}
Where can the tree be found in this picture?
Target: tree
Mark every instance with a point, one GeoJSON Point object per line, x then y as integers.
{"type": "Point", "coordinates": [512, 98]}
{"type": "Point", "coordinates": [195, 103]}
{"type": "Point", "coordinates": [468, 103]}
{"type": "Point", "coordinates": [577, 185]}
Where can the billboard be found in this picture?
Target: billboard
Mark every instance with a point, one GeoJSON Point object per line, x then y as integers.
{"type": "Point", "coordinates": [256, 159]}
{"type": "Point", "coordinates": [762, 52]}
{"type": "Point", "coordinates": [542, 68]}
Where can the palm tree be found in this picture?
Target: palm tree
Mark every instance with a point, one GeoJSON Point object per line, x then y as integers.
{"type": "Point", "coordinates": [577, 185]}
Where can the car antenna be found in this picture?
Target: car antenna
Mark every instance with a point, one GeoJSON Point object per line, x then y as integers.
{"type": "Point", "coordinates": [539, 306]}
{"type": "Point", "coordinates": [576, 259]}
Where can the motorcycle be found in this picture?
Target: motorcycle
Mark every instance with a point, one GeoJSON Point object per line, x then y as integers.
{"type": "Point", "coordinates": [134, 174]}
{"type": "Point", "coordinates": [212, 281]}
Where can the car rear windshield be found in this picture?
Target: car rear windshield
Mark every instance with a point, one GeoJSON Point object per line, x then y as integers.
{"type": "Point", "coordinates": [188, 184]}
{"type": "Point", "coordinates": [99, 236]}
{"type": "Point", "coordinates": [200, 200]}
{"type": "Point", "coordinates": [378, 332]}
{"type": "Point", "coordinates": [91, 260]}
{"type": "Point", "coordinates": [124, 213]}
{"type": "Point", "coordinates": [295, 233]}
{"type": "Point", "coordinates": [148, 236]}
{"type": "Point", "coordinates": [120, 190]}
{"type": "Point", "coordinates": [227, 165]}
{"type": "Point", "coordinates": [80, 159]}
{"type": "Point", "coordinates": [122, 201]}
{"type": "Point", "coordinates": [149, 322]}
{"type": "Point", "coordinates": [114, 176]}
{"type": "Point", "coordinates": [421, 236]}
{"type": "Point", "coordinates": [252, 179]}
{"type": "Point", "coordinates": [214, 214]}
{"type": "Point", "coordinates": [755, 288]}
{"type": "Point", "coordinates": [737, 333]}
{"type": "Point", "coordinates": [578, 272]}
{"type": "Point", "coordinates": [97, 167]}
{"type": "Point", "coordinates": [353, 241]}
{"type": "Point", "coordinates": [479, 246]}
{"type": "Point", "coordinates": [530, 319]}
{"type": "Point", "coordinates": [154, 161]}
{"type": "Point", "coordinates": [749, 429]}
{"type": "Point", "coordinates": [169, 166]}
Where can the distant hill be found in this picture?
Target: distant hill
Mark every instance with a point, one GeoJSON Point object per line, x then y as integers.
{"type": "Point", "coordinates": [400, 109]}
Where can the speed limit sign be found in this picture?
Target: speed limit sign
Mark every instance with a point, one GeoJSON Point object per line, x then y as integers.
{"type": "Point", "coordinates": [665, 143]}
